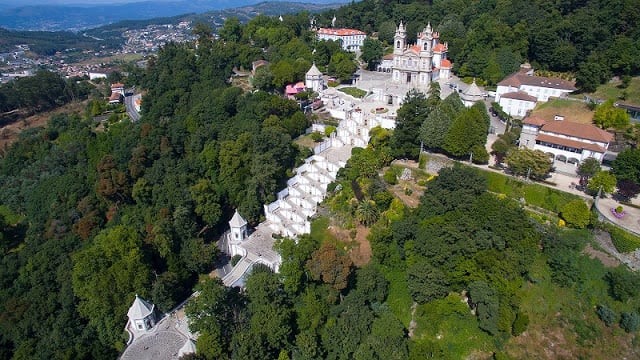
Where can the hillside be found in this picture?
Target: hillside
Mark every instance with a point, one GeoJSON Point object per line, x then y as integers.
{"type": "Point", "coordinates": [75, 18]}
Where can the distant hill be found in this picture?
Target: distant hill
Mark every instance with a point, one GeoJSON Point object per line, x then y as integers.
{"type": "Point", "coordinates": [77, 17]}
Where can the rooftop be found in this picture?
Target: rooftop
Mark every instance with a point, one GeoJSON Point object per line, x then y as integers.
{"type": "Point", "coordinates": [520, 95]}
{"type": "Point", "coordinates": [340, 32]}
{"type": "Point", "coordinates": [583, 131]}
{"type": "Point", "coordinates": [521, 78]}
{"type": "Point", "coordinates": [570, 143]}
{"type": "Point", "coordinates": [140, 309]}
{"type": "Point", "coordinates": [237, 220]}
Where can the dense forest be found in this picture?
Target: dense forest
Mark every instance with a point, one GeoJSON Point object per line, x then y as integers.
{"type": "Point", "coordinates": [91, 216]}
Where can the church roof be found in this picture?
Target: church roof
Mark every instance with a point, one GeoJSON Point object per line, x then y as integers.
{"type": "Point", "coordinates": [473, 90]}
{"type": "Point", "coordinates": [140, 309]}
{"type": "Point", "coordinates": [439, 48]}
{"type": "Point", "coordinates": [445, 64]}
{"type": "Point", "coordinates": [188, 348]}
{"type": "Point", "coordinates": [314, 71]}
{"type": "Point", "coordinates": [237, 220]}
{"type": "Point", "coordinates": [340, 32]}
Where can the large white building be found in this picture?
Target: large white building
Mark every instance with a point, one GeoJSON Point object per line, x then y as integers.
{"type": "Point", "coordinates": [419, 64]}
{"type": "Point", "coordinates": [350, 39]}
{"type": "Point", "coordinates": [520, 91]}
{"type": "Point", "coordinates": [563, 140]}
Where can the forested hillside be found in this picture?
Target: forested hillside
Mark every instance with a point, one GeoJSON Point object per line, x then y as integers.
{"type": "Point", "coordinates": [594, 39]}
{"type": "Point", "coordinates": [91, 216]}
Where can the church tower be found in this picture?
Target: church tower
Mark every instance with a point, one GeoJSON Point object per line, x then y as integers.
{"type": "Point", "coordinates": [400, 39]}
{"type": "Point", "coordinates": [238, 227]}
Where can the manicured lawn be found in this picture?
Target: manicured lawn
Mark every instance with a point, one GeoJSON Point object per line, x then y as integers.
{"type": "Point", "coordinates": [353, 91]}
{"type": "Point", "coordinates": [534, 194]}
{"type": "Point", "coordinates": [576, 111]}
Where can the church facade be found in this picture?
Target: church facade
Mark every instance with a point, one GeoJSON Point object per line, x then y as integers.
{"type": "Point", "coordinates": [419, 64]}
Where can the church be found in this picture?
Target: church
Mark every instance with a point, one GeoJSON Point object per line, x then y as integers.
{"type": "Point", "coordinates": [419, 64]}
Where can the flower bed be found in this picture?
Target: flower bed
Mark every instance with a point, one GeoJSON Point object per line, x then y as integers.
{"type": "Point", "coordinates": [618, 214]}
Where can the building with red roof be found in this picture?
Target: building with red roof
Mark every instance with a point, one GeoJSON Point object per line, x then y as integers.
{"type": "Point", "coordinates": [421, 63]}
{"type": "Point", "coordinates": [565, 141]}
{"type": "Point", "coordinates": [542, 88]}
{"type": "Point", "coordinates": [350, 39]}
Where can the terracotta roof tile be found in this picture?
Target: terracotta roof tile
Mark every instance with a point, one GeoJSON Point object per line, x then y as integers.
{"type": "Point", "coordinates": [445, 64]}
{"type": "Point", "coordinates": [518, 79]}
{"type": "Point", "coordinates": [340, 32]}
{"type": "Point", "coordinates": [520, 95]}
{"type": "Point", "coordinates": [570, 143]}
{"type": "Point", "coordinates": [534, 120]}
{"type": "Point", "coordinates": [439, 48]}
{"type": "Point", "coordinates": [583, 131]}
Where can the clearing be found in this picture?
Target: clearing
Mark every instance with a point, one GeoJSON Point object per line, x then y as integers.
{"type": "Point", "coordinates": [572, 110]}
{"type": "Point", "coordinates": [9, 133]}
{"type": "Point", "coordinates": [612, 90]}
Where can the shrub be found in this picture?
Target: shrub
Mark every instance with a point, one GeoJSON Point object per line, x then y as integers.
{"type": "Point", "coordinates": [235, 259]}
{"type": "Point", "coordinates": [619, 209]}
{"type": "Point", "coordinates": [316, 136]}
{"type": "Point", "coordinates": [622, 240]}
{"type": "Point", "coordinates": [630, 321]}
{"type": "Point", "coordinates": [520, 324]}
{"type": "Point", "coordinates": [576, 213]}
{"type": "Point", "coordinates": [390, 177]}
{"type": "Point", "coordinates": [608, 316]}
{"type": "Point", "coordinates": [328, 130]}
{"type": "Point", "coordinates": [480, 154]}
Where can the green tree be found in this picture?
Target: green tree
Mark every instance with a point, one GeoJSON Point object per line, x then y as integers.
{"type": "Point", "coordinates": [342, 66]}
{"type": "Point", "coordinates": [367, 212]}
{"type": "Point", "coordinates": [623, 284]}
{"type": "Point", "coordinates": [404, 141]}
{"type": "Point", "coordinates": [436, 126]}
{"type": "Point", "coordinates": [106, 277]}
{"type": "Point", "coordinates": [576, 213]}
{"type": "Point", "coordinates": [608, 116]}
{"type": "Point", "coordinates": [588, 168]}
{"type": "Point", "coordinates": [604, 180]}
{"type": "Point", "coordinates": [426, 283]}
{"type": "Point", "coordinates": [627, 165]}
{"type": "Point", "coordinates": [371, 53]}
{"type": "Point", "coordinates": [532, 163]}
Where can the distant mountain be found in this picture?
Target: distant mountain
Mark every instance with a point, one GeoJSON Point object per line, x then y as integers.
{"type": "Point", "coordinates": [76, 17]}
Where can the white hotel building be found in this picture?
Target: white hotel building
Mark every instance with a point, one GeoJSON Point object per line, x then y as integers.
{"type": "Point", "coordinates": [350, 39]}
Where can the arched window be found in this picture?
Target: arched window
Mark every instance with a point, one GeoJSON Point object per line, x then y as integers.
{"type": "Point", "coordinates": [425, 46]}
{"type": "Point", "coordinates": [398, 44]}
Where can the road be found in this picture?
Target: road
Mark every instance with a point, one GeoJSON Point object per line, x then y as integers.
{"type": "Point", "coordinates": [131, 108]}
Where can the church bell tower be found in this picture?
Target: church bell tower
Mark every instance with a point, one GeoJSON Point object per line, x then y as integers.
{"type": "Point", "coordinates": [400, 39]}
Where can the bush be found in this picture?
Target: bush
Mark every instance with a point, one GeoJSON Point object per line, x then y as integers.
{"type": "Point", "coordinates": [235, 259]}
{"type": "Point", "coordinates": [576, 214]}
{"type": "Point", "coordinates": [390, 177]}
{"type": "Point", "coordinates": [630, 321]}
{"type": "Point", "coordinates": [316, 136]}
{"type": "Point", "coordinates": [608, 316]}
{"type": "Point", "coordinates": [623, 241]}
{"type": "Point", "coordinates": [520, 324]}
{"type": "Point", "coordinates": [422, 161]}
{"type": "Point", "coordinates": [480, 154]}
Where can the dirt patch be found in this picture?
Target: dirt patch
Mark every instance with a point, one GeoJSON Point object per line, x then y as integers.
{"type": "Point", "coordinates": [407, 191]}
{"type": "Point", "coordinates": [361, 251]}
{"type": "Point", "coordinates": [541, 344]}
{"type": "Point", "coordinates": [606, 259]}
{"type": "Point", "coordinates": [10, 132]}
{"type": "Point", "coordinates": [358, 247]}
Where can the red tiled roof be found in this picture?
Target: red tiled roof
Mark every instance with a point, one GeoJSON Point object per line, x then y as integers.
{"type": "Point", "coordinates": [583, 131]}
{"type": "Point", "coordinates": [518, 79]}
{"type": "Point", "coordinates": [445, 64]}
{"type": "Point", "coordinates": [570, 143]}
{"type": "Point", "coordinates": [520, 95]}
{"type": "Point", "coordinates": [340, 32]}
{"type": "Point", "coordinates": [388, 57]}
{"type": "Point", "coordinates": [114, 96]}
{"type": "Point", "coordinates": [439, 48]}
{"type": "Point", "coordinates": [534, 120]}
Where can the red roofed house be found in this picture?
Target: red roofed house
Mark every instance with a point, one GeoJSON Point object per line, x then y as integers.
{"type": "Point", "coordinates": [350, 39]}
{"type": "Point", "coordinates": [117, 88]}
{"type": "Point", "coordinates": [419, 64]}
{"type": "Point", "coordinates": [541, 88]}
{"type": "Point", "coordinates": [517, 103]}
{"type": "Point", "coordinates": [566, 141]}
{"type": "Point", "coordinates": [292, 89]}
